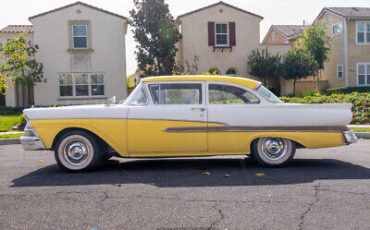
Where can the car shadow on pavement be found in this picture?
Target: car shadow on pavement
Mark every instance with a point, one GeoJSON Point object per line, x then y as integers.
{"type": "Point", "coordinates": [196, 173]}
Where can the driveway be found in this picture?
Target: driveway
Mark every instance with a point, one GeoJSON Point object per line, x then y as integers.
{"type": "Point", "coordinates": [321, 189]}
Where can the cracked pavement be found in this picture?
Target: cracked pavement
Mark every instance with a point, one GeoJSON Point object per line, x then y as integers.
{"type": "Point", "coordinates": [321, 189]}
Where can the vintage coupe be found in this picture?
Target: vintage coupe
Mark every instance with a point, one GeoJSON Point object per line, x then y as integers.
{"type": "Point", "coordinates": [178, 116]}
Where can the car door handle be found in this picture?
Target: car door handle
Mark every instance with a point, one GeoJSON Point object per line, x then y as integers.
{"type": "Point", "coordinates": [200, 108]}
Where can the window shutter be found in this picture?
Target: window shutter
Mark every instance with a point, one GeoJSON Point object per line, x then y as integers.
{"type": "Point", "coordinates": [211, 33]}
{"type": "Point", "coordinates": [232, 34]}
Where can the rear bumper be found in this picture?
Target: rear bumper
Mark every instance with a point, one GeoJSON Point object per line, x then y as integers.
{"type": "Point", "coordinates": [31, 143]}
{"type": "Point", "coordinates": [350, 137]}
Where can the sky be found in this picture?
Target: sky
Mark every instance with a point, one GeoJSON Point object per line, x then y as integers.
{"type": "Point", "coordinates": [280, 12]}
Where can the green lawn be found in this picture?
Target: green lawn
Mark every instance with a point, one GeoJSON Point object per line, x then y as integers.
{"type": "Point", "coordinates": [7, 121]}
{"type": "Point", "coordinates": [360, 129]}
{"type": "Point", "coordinates": [11, 135]}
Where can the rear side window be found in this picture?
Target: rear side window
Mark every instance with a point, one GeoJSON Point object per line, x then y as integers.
{"type": "Point", "coordinates": [176, 93]}
{"type": "Point", "coordinates": [226, 94]}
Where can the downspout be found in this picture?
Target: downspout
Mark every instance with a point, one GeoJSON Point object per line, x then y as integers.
{"type": "Point", "coordinates": [345, 54]}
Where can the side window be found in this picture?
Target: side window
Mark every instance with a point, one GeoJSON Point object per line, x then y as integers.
{"type": "Point", "coordinates": [225, 94]}
{"type": "Point", "coordinates": [137, 97]}
{"type": "Point", "coordinates": [176, 93]}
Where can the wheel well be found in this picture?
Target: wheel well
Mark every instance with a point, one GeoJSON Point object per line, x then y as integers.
{"type": "Point", "coordinates": [297, 145]}
{"type": "Point", "coordinates": [61, 133]}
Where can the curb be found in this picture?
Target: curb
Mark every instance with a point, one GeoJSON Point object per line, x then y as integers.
{"type": "Point", "coordinates": [10, 141]}
{"type": "Point", "coordinates": [363, 135]}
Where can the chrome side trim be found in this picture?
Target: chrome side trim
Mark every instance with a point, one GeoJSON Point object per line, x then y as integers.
{"type": "Point", "coordinates": [254, 129]}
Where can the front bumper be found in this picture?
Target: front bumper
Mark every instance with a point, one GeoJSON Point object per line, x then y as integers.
{"type": "Point", "coordinates": [350, 137]}
{"type": "Point", "coordinates": [31, 143]}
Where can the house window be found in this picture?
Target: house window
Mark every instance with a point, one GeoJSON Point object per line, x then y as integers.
{"type": "Point", "coordinates": [363, 74]}
{"type": "Point", "coordinates": [337, 28]}
{"type": "Point", "coordinates": [363, 32]}
{"type": "Point", "coordinates": [340, 71]}
{"type": "Point", "coordinates": [79, 36]}
{"type": "Point", "coordinates": [221, 34]}
{"type": "Point", "coordinates": [231, 72]}
{"type": "Point", "coordinates": [81, 84]}
{"type": "Point", "coordinates": [273, 36]}
{"type": "Point", "coordinates": [326, 17]}
{"type": "Point", "coordinates": [214, 71]}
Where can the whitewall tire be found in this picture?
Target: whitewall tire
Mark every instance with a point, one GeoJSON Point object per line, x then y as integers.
{"type": "Point", "coordinates": [77, 151]}
{"type": "Point", "coordinates": [273, 151]}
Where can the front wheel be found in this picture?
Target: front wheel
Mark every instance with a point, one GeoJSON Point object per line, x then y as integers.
{"type": "Point", "coordinates": [273, 151]}
{"type": "Point", "coordinates": [77, 151]}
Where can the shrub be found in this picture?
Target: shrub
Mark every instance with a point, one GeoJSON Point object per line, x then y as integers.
{"type": "Point", "coordinates": [360, 103]}
{"type": "Point", "coordinates": [347, 90]}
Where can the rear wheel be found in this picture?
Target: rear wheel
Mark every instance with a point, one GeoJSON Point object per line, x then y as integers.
{"type": "Point", "coordinates": [77, 151]}
{"type": "Point", "coordinates": [273, 151]}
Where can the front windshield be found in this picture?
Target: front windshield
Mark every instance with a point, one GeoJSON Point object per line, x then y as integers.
{"type": "Point", "coordinates": [137, 97]}
{"type": "Point", "coordinates": [267, 94]}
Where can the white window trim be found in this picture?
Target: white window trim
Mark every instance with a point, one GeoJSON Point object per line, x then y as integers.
{"type": "Point", "coordinates": [73, 36]}
{"type": "Point", "coordinates": [365, 73]}
{"type": "Point", "coordinates": [74, 86]}
{"type": "Point", "coordinates": [338, 33]}
{"type": "Point", "coordinates": [365, 32]}
{"type": "Point", "coordinates": [227, 34]}
{"type": "Point", "coordinates": [273, 36]}
{"type": "Point", "coordinates": [340, 78]}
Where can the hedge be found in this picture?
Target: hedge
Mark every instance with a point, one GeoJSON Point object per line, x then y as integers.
{"type": "Point", "coordinates": [347, 90]}
{"type": "Point", "coordinates": [360, 103]}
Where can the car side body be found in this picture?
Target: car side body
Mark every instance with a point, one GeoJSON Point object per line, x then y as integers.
{"type": "Point", "coordinates": [178, 116]}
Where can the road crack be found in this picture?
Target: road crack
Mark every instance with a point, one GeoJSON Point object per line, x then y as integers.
{"type": "Point", "coordinates": [310, 205]}
{"type": "Point", "coordinates": [222, 216]}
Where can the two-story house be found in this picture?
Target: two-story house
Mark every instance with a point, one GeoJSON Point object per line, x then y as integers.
{"type": "Point", "coordinates": [219, 38]}
{"type": "Point", "coordinates": [349, 29]}
{"type": "Point", "coordinates": [82, 49]}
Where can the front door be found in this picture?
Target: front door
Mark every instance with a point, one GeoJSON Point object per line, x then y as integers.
{"type": "Point", "coordinates": [173, 123]}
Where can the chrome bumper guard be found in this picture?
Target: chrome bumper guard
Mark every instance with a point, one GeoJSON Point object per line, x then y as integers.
{"type": "Point", "coordinates": [350, 137]}
{"type": "Point", "coordinates": [31, 143]}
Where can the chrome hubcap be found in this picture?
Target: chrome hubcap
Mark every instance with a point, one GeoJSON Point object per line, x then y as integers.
{"type": "Point", "coordinates": [76, 152]}
{"type": "Point", "coordinates": [274, 148]}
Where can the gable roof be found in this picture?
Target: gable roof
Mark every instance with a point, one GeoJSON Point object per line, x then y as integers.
{"type": "Point", "coordinates": [78, 3]}
{"type": "Point", "coordinates": [289, 30]}
{"type": "Point", "coordinates": [218, 3]}
{"type": "Point", "coordinates": [286, 30]}
{"type": "Point", "coordinates": [17, 29]}
{"type": "Point", "coordinates": [351, 12]}
{"type": "Point", "coordinates": [347, 12]}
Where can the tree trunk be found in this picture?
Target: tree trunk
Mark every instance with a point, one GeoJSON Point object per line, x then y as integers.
{"type": "Point", "coordinates": [318, 81]}
{"type": "Point", "coordinates": [314, 83]}
{"type": "Point", "coordinates": [294, 87]}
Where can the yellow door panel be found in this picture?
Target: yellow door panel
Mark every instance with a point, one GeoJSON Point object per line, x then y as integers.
{"type": "Point", "coordinates": [149, 138]}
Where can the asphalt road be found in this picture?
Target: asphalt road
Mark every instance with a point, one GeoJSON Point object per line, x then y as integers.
{"type": "Point", "coordinates": [322, 189]}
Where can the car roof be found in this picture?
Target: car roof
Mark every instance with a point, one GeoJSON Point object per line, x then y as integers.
{"type": "Point", "coordinates": [237, 80]}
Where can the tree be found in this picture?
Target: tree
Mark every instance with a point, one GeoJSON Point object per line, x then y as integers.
{"type": "Point", "coordinates": [18, 63]}
{"type": "Point", "coordinates": [263, 65]}
{"type": "Point", "coordinates": [156, 33]}
{"type": "Point", "coordinates": [316, 41]}
{"type": "Point", "coordinates": [298, 64]}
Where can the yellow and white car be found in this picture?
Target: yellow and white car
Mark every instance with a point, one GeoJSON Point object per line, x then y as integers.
{"type": "Point", "coordinates": [179, 116]}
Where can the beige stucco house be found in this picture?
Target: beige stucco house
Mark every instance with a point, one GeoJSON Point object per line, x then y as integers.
{"type": "Point", "coordinates": [220, 37]}
{"type": "Point", "coordinates": [82, 49]}
{"type": "Point", "coordinates": [349, 29]}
